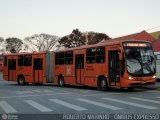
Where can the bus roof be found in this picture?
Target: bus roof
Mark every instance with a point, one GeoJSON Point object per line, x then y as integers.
{"type": "Point", "coordinates": [24, 53]}
{"type": "Point", "coordinates": [108, 43]}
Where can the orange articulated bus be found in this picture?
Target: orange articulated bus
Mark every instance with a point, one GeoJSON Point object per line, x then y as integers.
{"type": "Point", "coordinates": [123, 64]}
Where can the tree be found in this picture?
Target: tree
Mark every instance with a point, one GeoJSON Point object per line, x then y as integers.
{"type": "Point", "coordinates": [75, 39]}
{"type": "Point", "coordinates": [13, 45]}
{"type": "Point", "coordinates": [1, 40]}
{"type": "Point", "coordinates": [65, 41]}
{"type": "Point", "coordinates": [159, 37]}
{"type": "Point", "coordinates": [94, 37]}
{"type": "Point", "coordinates": [2, 49]}
{"type": "Point", "coordinates": [41, 42]}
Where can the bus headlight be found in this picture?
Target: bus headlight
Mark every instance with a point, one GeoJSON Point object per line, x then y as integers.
{"type": "Point", "coordinates": [130, 78]}
{"type": "Point", "coordinates": [154, 76]}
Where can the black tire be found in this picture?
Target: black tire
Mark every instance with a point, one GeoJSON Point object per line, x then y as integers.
{"type": "Point", "coordinates": [131, 88]}
{"type": "Point", "coordinates": [21, 80]}
{"type": "Point", "coordinates": [102, 84]}
{"type": "Point", "coordinates": [61, 81]}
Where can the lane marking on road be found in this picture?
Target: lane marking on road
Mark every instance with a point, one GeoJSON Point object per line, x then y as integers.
{"type": "Point", "coordinates": [99, 104]}
{"type": "Point", "coordinates": [22, 96]}
{"type": "Point", "coordinates": [23, 92]}
{"type": "Point", "coordinates": [38, 106]}
{"type": "Point", "coordinates": [69, 105]}
{"type": "Point", "coordinates": [53, 88]}
{"type": "Point", "coordinates": [130, 103]}
{"type": "Point", "coordinates": [82, 92]}
{"type": "Point", "coordinates": [71, 90]}
{"type": "Point", "coordinates": [33, 91]}
{"type": "Point", "coordinates": [36, 91]}
{"type": "Point", "coordinates": [48, 91]}
{"type": "Point", "coordinates": [6, 107]}
{"type": "Point", "coordinates": [145, 100]}
{"type": "Point", "coordinates": [102, 94]}
{"type": "Point", "coordinates": [153, 91]}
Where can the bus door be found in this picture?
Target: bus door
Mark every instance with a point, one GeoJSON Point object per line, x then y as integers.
{"type": "Point", "coordinates": [114, 68]}
{"type": "Point", "coordinates": [12, 69]}
{"type": "Point", "coordinates": [158, 67]}
{"type": "Point", "coordinates": [79, 68]}
{"type": "Point", "coordinates": [38, 70]}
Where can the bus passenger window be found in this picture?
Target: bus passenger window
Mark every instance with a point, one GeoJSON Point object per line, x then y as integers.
{"type": "Point", "coordinates": [61, 58]}
{"type": "Point", "coordinates": [100, 55]}
{"type": "Point", "coordinates": [56, 59]}
{"type": "Point", "coordinates": [27, 60]}
{"type": "Point", "coordinates": [20, 60]}
{"type": "Point", "coordinates": [90, 55]}
{"type": "Point", "coordinates": [68, 61]}
{"type": "Point", "coordinates": [69, 57]}
{"type": "Point", "coordinates": [100, 59]}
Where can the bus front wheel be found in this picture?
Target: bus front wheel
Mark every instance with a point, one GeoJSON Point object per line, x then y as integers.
{"type": "Point", "coordinates": [102, 84]}
{"type": "Point", "coordinates": [61, 81]}
{"type": "Point", "coordinates": [21, 80]}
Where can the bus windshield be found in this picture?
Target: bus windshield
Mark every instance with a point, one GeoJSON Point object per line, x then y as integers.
{"type": "Point", "coordinates": [140, 60]}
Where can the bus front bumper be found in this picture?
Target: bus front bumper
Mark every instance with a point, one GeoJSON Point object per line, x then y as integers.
{"type": "Point", "coordinates": [137, 83]}
{"type": "Point", "coordinates": [141, 84]}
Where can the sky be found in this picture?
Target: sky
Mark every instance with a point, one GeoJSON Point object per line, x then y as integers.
{"type": "Point", "coordinates": [23, 18]}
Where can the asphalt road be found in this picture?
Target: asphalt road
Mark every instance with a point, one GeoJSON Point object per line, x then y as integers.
{"type": "Point", "coordinates": [52, 99]}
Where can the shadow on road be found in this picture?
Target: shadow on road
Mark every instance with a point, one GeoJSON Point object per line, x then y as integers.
{"type": "Point", "coordinates": [115, 90]}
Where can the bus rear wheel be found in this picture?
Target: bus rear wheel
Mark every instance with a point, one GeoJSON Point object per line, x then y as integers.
{"type": "Point", "coordinates": [61, 81]}
{"type": "Point", "coordinates": [102, 84]}
{"type": "Point", "coordinates": [21, 80]}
